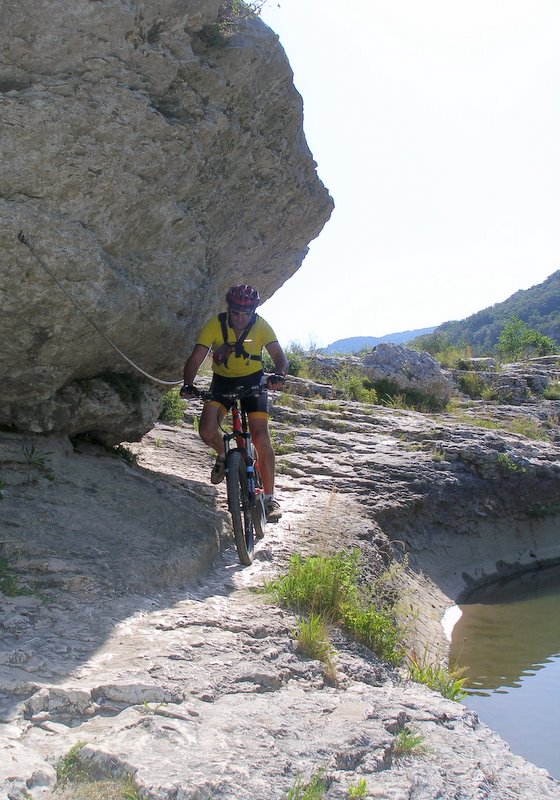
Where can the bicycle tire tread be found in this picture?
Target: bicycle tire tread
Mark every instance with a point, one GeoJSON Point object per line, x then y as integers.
{"type": "Point", "coordinates": [238, 501]}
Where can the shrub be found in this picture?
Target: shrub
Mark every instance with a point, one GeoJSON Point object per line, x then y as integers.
{"type": "Point", "coordinates": [396, 401]}
{"type": "Point", "coordinates": [471, 384]}
{"type": "Point", "coordinates": [296, 358]}
{"type": "Point", "coordinates": [268, 363]}
{"type": "Point", "coordinates": [124, 452]}
{"type": "Point", "coordinates": [432, 343]}
{"type": "Point", "coordinates": [542, 510]}
{"type": "Point", "coordinates": [438, 345]}
{"type": "Point", "coordinates": [374, 628]}
{"type": "Point", "coordinates": [319, 584]}
{"type": "Point", "coordinates": [454, 357]}
{"type": "Point", "coordinates": [173, 407]}
{"type": "Point", "coordinates": [507, 464]}
{"type": "Point", "coordinates": [517, 340]}
{"type": "Point", "coordinates": [355, 386]}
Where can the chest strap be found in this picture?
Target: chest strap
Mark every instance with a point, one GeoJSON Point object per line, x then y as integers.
{"type": "Point", "coordinates": [238, 347]}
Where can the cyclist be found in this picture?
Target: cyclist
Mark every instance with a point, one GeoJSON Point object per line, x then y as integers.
{"type": "Point", "coordinates": [237, 338]}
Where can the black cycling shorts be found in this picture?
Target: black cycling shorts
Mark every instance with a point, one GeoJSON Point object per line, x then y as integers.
{"type": "Point", "coordinates": [252, 404]}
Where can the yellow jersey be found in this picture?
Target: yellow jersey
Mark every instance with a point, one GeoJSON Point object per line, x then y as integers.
{"type": "Point", "coordinates": [259, 335]}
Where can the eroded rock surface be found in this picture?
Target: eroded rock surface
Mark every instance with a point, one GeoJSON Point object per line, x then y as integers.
{"type": "Point", "coordinates": [143, 640]}
{"type": "Point", "coordinates": [149, 164]}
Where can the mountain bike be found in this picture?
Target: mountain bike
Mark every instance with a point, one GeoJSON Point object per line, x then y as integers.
{"type": "Point", "coordinates": [243, 478]}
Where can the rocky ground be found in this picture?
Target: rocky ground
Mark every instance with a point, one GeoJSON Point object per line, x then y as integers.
{"type": "Point", "coordinates": [143, 640]}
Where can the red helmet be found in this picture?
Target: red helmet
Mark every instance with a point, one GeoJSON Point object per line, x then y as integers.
{"type": "Point", "coordinates": [243, 297]}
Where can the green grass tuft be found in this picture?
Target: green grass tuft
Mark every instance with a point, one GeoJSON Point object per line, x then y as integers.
{"type": "Point", "coordinates": [8, 581]}
{"type": "Point", "coordinates": [314, 789]}
{"type": "Point", "coordinates": [448, 683]}
{"type": "Point", "coordinates": [76, 781]}
{"type": "Point", "coordinates": [328, 586]}
{"type": "Point", "coordinates": [358, 791]}
{"type": "Point", "coordinates": [552, 391]}
{"type": "Point", "coordinates": [70, 767]}
{"type": "Point", "coordinates": [312, 638]}
{"type": "Point", "coordinates": [407, 743]}
{"type": "Point", "coordinates": [507, 464]}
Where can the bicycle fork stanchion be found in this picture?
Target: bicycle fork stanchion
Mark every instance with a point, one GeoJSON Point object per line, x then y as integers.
{"type": "Point", "coordinates": [240, 482]}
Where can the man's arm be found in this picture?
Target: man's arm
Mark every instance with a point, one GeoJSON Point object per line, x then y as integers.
{"type": "Point", "coordinates": [193, 363]}
{"type": "Point", "coordinates": [279, 357]}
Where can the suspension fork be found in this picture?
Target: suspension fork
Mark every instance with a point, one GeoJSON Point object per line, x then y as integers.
{"type": "Point", "coordinates": [240, 432]}
{"type": "Point", "coordinates": [245, 435]}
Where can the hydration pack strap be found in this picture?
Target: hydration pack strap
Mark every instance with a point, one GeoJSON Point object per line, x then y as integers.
{"type": "Point", "coordinates": [238, 348]}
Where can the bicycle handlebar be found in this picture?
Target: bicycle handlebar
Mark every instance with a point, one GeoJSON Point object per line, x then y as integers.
{"type": "Point", "coordinates": [239, 393]}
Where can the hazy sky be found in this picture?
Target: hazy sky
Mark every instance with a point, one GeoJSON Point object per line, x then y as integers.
{"type": "Point", "coordinates": [436, 129]}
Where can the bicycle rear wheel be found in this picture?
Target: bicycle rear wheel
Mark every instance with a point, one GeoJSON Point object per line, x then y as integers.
{"type": "Point", "coordinates": [239, 506]}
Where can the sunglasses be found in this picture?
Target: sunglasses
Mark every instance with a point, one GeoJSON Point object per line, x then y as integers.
{"type": "Point", "coordinates": [237, 312]}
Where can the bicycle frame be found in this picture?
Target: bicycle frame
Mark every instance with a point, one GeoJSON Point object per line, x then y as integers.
{"type": "Point", "coordinates": [241, 434]}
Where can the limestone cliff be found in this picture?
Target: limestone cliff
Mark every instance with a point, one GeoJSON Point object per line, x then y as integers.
{"type": "Point", "coordinates": [151, 160]}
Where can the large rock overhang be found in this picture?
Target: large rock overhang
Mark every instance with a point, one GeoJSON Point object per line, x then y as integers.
{"type": "Point", "coordinates": [149, 165]}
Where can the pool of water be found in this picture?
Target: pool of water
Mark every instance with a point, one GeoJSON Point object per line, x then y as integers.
{"type": "Point", "coordinates": [508, 641]}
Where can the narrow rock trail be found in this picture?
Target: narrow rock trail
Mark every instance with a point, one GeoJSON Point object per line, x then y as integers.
{"type": "Point", "coordinates": [145, 641]}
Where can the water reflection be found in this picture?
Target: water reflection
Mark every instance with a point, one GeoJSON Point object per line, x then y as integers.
{"type": "Point", "coordinates": [508, 640]}
{"type": "Point", "coordinates": [509, 630]}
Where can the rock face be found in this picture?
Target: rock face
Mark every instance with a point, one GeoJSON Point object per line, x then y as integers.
{"type": "Point", "coordinates": [150, 161]}
{"type": "Point", "coordinates": [513, 384]}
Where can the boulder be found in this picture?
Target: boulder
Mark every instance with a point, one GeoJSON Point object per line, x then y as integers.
{"type": "Point", "coordinates": [407, 370]}
{"type": "Point", "coordinates": [151, 158]}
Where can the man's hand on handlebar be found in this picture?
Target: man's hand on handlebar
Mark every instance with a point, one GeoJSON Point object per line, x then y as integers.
{"type": "Point", "coordinates": [188, 391]}
{"type": "Point", "coordinates": [275, 381]}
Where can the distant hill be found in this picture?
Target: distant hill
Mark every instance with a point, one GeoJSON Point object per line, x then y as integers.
{"type": "Point", "coordinates": [538, 306]}
{"type": "Point", "coordinates": [356, 343]}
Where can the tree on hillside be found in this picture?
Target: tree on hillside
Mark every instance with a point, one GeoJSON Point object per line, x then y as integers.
{"type": "Point", "coordinates": [431, 343]}
{"type": "Point", "coordinates": [517, 340]}
{"type": "Point", "coordinates": [538, 307]}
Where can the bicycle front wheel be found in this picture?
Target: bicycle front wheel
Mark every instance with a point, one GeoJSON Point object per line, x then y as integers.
{"type": "Point", "coordinates": [259, 513]}
{"type": "Point", "coordinates": [239, 506]}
